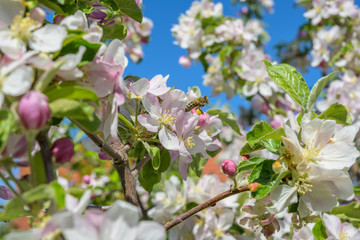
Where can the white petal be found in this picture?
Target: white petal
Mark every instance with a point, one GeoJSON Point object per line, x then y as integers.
{"type": "Point", "coordinates": [84, 201]}
{"type": "Point", "coordinates": [149, 123]}
{"type": "Point", "coordinates": [346, 134]}
{"type": "Point", "coordinates": [18, 82]}
{"type": "Point", "coordinates": [168, 139]}
{"type": "Point", "coordinates": [282, 196]}
{"type": "Point", "coordinates": [315, 200]}
{"type": "Point", "coordinates": [337, 155]}
{"type": "Point", "coordinates": [9, 9]}
{"type": "Point", "coordinates": [49, 38]}
{"type": "Point", "coordinates": [332, 224]}
{"type": "Point", "coordinates": [149, 230]}
{"type": "Point", "coordinates": [127, 211]}
{"type": "Point", "coordinates": [152, 105]}
{"type": "Point", "coordinates": [141, 87]}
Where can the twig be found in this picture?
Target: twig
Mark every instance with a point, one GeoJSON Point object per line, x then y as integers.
{"type": "Point", "coordinates": [208, 203]}
{"type": "Point", "coordinates": [120, 163]}
{"type": "Point", "coordinates": [135, 171]}
{"type": "Point", "coordinates": [46, 154]}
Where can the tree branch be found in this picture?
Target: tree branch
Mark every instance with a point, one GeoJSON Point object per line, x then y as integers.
{"type": "Point", "coordinates": [46, 154]}
{"type": "Point", "coordinates": [120, 163]}
{"type": "Point", "coordinates": [208, 203]}
{"type": "Point", "coordinates": [139, 166]}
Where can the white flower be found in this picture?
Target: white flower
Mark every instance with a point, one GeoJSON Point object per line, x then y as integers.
{"type": "Point", "coordinates": [337, 230]}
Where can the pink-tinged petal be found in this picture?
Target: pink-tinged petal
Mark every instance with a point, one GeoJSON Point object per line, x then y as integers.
{"type": "Point", "coordinates": [140, 87]}
{"type": "Point", "coordinates": [174, 101]}
{"type": "Point", "coordinates": [350, 230]}
{"type": "Point", "coordinates": [115, 54]}
{"type": "Point", "coordinates": [149, 123]}
{"type": "Point", "coordinates": [186, 123]}
{"type": "Point", "coordinates": [185, 156]}
{"type": "Point", "coordinates": [214, 145]}
{"type": "Point", "coordinates": [158, 85]}
{"type": "Point", "coordinates": [303, 233]}
{"type": "Point", "coordinates": [198, 146]}
{"type": "Point", "coordinates": [183, 167]}
{"type": "Point", "coordinates": [120, 91]}
{"type": "Point", "coordinates": [174, 155]}
{"type": "Point", "coordinates": [5, 193]}
{"type": "Point", "coordinates": [332, 224]}
{"type": "Point", "coordinates": [111, 120]}
{"type": "Point", "coordinates": [168, 139]}
{"type": "Point", "coordinates": [152, 105]}
{"type": "Point", "coordinates": [337, 155]}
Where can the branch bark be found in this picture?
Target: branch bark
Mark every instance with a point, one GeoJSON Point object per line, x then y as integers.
{"type": "Point", "coordinates": [120, 163]}
{"type": "Point", "coordinates": [209, 203]}
{"type": "Point", "coordinates": [139, 166]}
{"type": "Point", "coordinates": [46, 154]}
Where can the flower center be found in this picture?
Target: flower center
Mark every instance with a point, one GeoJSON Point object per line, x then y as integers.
{"type": "Point", "coordinates": [22, 27]}
{"type": "Point", "coordinates": [302, 186]}
{"type": "Point", "coordinates": [344, 236]}
{"type": "Point", "coordinates": [167, 118]}
{"type": "Point", "coordinates": [218, 232]}
{"type": "Point", "coordinates": [189, 142]}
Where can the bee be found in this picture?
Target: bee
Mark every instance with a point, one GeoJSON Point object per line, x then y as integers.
{"type": "Point", "coordinates": [197, 103]}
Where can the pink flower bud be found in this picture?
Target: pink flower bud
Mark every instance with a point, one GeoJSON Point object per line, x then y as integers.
{"type": "Point", "coordinates": [244, 10]}
{"type": "Point", "coordinates": [254, 186]}
{"type": "Point", "coordinates": [34, 111]}
{"type": "Point", "coordinates": [86, 179]}
{"type": "Point", "coordinates": [185, 61]}
{"type": "Point", "coordinates": [203, 119]}
{"type": "Point", "coordinates": [63, 150]}
{"type": "Point", "coordinates": [245, 157]}
{"type": "Point", "coordinates": [229, 167]}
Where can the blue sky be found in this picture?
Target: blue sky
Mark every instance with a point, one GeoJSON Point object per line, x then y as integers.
{"type": "Point", "coordinates": [161, 55]}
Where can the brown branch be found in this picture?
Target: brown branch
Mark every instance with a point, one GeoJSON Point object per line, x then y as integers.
{"type": "Point", "coordinates": [135, 171]}
{"type": "Point", "coordinates": [120, 163]}
{"type": "Point", "coordinates": [208, 203]}
{"type": "Point", "coordinates": [46, 154]}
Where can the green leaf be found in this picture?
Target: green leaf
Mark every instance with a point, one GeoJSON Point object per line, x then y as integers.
{"type": "Point", "coordinates": [259, 130]}
{"type": "Point", "coordinates": [264, 190]}
{"type": "Point", "coordinates": [165, 160]}
{"type": "Point", "coordinates": [14, 208]}
{"type": "Point", "coordinates": [125, 122]}
{"type": "Point", "coordinates": [7, 127]}
{"type": "Point", "coordinates": [70, 91]}
{"type": "Point", "coordinates": [52, 191]}
{"type": "Point", "coordinates": [316, 90]}
{"type": "Point", "coordinates": [130, 8]}
{"type": "Point", "coordinates": [155, 157]}
{"type": "Point", "coordinates": [39, 174]}
{"type": "Point", "coordinates": [262, 173]}
{"type": "Point", "coordinates": [227, 119]}
{"type": "Point", "coordinates": [52, 6]}
{"type": "Point", "coordinates": [271, 145]}
{"type": "Point", "coordinates": [72, 43]}
{"type": "Point", "coordinates": [71, 109]}
{"type": "Point", "coordinates": [246, 149]}
{"type": "Point", "coordinates": [336, 112]}
{"type": "Point", "coordinates": [197, 165]}
{"type": "Point", "coordinates": [114, 31]}
{"type": "Point", "coordinates": [319, 231]}
{"type": "Point", "coordinates": [91, 125]}
{"type": "Point", "coordinates": [349, 212]}
{"type": "Point", "coordinates": [249, 164]}
{"type": "Point", "coordinates": [356, 190]}
{"type": "Point", "coordinates": [148, 177]}
{"type": "Point", "coordinates": [289, 79]}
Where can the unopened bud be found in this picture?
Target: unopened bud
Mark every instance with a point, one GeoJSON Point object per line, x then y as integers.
{"type": "Point", "coordinates": [229, 167]}
{"type": "Point", "coordinates": [63, 150]}
{"type": "Point", "coordinates": [245, 157]}
{"type": "Point", "coordinates": [34, 111]}
{"type": "Point", "coordinates": [86, 179]}
{"type": "Point", "coordinates": [254, 186]}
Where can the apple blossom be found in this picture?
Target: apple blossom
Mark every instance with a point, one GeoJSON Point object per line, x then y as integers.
{"type": "Point", "coordinates": [337, 230]}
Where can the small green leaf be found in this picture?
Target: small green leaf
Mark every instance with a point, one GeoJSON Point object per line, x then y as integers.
{"type": "Point", "coordinates": [71, 109]}
{"type": "Point", "coordinates": [165, 160]}
{"type": "Point", "coordinates": [114, 31]}
{"type": "Point", "coordinates": [319, 231]}
{"type": "Point", "coordinates": [249, 164]}
{"type": "Point", "coordinates": [316, 90]}
{"type": "Point", "coordinates": [259, 130]}
{"type": "Point", "coordinates": [271, 145]}
{"type": "Point", "coordinates": [356, 190]}
{"type": "Point", "coordinates": [125, 122]}
{"type": "Point", "coordinates": [246, 149]}
{"type": "Point", "coordinates": [264, 190]}
{"type": "Point", "coordinates": [39, 175]}
{"type": "Point", "coordinates": [148, 177]}
{"type": "Point", "coordinates": [52, 191]}
{"type": "Point", "coordinates": [227, 119]}
{"type": "Point", "coordinates": [130, 8]}
{"type": "Point", "coordinates": [7, 127]}
{"type": "Point", "coordinates": [349, 212]}
{"type": "Point", "coordinates": [70, 91]}
{"type": "Point", "coordinates": [336, 112]}
{"type": "Point", "coordinates": [14, 208]}
{"type": "Point", "coordinates": [155, 157]}
{"type": "Point", "coordinates": [52, 6]}
{"type": "Point", "coordinates": [262, 173]}
{"type": "Point", "coordinates": [197, 165]}
{"type": "Point", "coordinates": [289, 79]}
